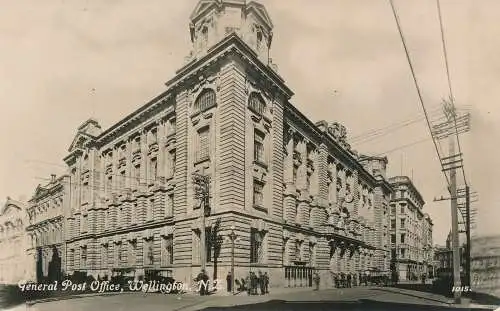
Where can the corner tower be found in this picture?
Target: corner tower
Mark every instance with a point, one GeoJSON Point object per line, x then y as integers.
{"type": "Point", "coordinates": [213, 20]}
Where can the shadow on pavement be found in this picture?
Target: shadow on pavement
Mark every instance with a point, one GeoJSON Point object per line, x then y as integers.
{"type": "Point", "coordinates": [362, 304]}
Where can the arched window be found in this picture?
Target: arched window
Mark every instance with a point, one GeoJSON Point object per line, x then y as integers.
{"type": "Point", "coordinates": [256, 103]}
{"type": "Point", "coordinates": [205, 100]}
{"type": "Point", "coordinates": [259, 39]}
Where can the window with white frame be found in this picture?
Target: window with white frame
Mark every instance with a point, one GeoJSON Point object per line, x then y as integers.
{"type": "Point", "coordinates": [203, 144]}
{"type": "Point", "coordinates": [205, 101]}
{"type": "Point", "coordinates": [168, 250]}
{"type": "Point", "coordinates": [256, 103]}
{"type": "Point", "coordinates": [258, 193]}
{"type": "Point", "coordinates": [258, 146]}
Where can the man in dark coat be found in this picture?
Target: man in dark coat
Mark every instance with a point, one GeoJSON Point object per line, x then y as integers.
{"type": "Point", "coordinates": [266, 283]}
{"type": "Point", "coordinates": [229, 280]}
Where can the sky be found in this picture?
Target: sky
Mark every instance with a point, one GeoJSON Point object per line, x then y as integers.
{"type": "Point", "coordinates": [64, 61]}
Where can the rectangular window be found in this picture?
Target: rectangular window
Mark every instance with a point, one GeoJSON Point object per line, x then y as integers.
{"type": "Point", "coordinates": [402, 223]}
{"type": "Point", "coordinates": [402, 193]}
{"type": "Point", "coordinates": [171, 163]}
{"type": "Point", "coordinates": [295, 168]}
{"type": "Point", "coordinates": [84, 256]}
{"type": "Point", "coordinates": [133, 213]}
{"type": "Point", "coordinates": [168, 250]}
{"type": "Point", "coordinates": [256, 250]}
{"type": "Point", "coordinates": [402, 210]}
{"type": "Point", "coordinates": [118, 254]}
{"type": "Point", "coordinates": [258, 193]}
{"type": "Point", "coordinates": [85, 192]}
{"type": "Point", "coordinates": [121, 186]}
{"type": "Point", "coordinates": [171, 126]}
{"type": "Point", "coordinates": [84, 225]}
{"type": "Point", "coordinates": [150, 210]}
{"type": "Point", "coordinates": [312, 254]}
{"type": "Point", "coordinates": [203, 144]}
{"type": "Point", "coordinates": [153, 170]}
{"type": "Point", "coordinates": [132, 247]}
{"type": "Point", "coordinates": [104, 256]}
{"type": "Point", "coordinates": [298, 251]}
{"type": "Point", "coordinates": [170, 206]}
{"type": "Point", "coordinates": [393, 224]}
{"type": "Point", "coordinates": [109, 184]}
{"type": "Point", "coordinates": [137, 175]}
{"type": "Point", "coordinates": [258, 147]}
{"type": "Point", "coordinates": [402, 238]}
{"type": "Point", "coordinates": [148, 252]}
{"type": "Point", "coordinates": [393, 238]}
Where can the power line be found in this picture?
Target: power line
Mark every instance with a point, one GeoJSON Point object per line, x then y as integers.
{"type": "Point", "coordinates": [452, 98]}
{"type": "Point", "coordinates": [389, 131]}
{"type": "Point", "coordinates": [396, 17]}
{"type": "Point", "coordinates": [411, 118]}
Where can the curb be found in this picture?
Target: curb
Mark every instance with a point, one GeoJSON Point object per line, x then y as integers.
{"type": "Point", "coordinates": [33, 302]}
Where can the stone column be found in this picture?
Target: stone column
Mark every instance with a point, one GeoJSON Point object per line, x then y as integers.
{"type": "Point", "coordinates": [161, 135]}
{"type": "Point", "coordinates": [144, 162]}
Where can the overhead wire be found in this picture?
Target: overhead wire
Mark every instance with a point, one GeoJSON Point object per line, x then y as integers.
{"type": "Point", "coordinates": [449, 83]}
{"type": "Point", "coordinates": [396, 17]}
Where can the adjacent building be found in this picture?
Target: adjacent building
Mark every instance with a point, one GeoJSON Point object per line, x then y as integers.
{"type": "Point", "coordinates": [443, 256]}
{"type": "Point", "coordinates": [12, 241]}
{"type": "Point", "coordinates": [46, 229]}
{"type": "Point", "coordinates": [411, 231]}
{"type": "Point", "coordinates": [300, 199]}
{"type": "Point", "coordinates": [485, 265]}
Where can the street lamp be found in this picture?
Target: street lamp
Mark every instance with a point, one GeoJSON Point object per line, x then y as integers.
{"type": "Point", "coordinates": [232, 236]}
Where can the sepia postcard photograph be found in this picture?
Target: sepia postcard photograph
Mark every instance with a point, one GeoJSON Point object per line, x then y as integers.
{"type": "Point", "coordinates": [207, 155]}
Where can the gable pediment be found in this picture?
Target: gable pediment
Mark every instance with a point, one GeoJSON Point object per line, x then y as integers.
{"type": "Point", "coordinates": [201, 7]}
{"type": "Point", "coordinates": [11, 207]}
{"type": "Point", "coordinates": [260, 11]}
{"type": "Point", "coordinates": [40, 191]}
{"type": "Point", "coordinates": [79, 142]}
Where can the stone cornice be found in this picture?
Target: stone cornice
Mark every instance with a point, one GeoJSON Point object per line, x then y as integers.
{"type": "Point", "coordinates": [137, 116]}
{"type": "Point", "coordinates": [320, 137]}
{"type": "Point", "coordinates": [405, 180]}
{"type": "Point", "coordinates": [231, 45]}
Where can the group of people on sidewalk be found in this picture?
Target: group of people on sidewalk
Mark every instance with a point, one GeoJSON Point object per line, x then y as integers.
{"type": "Point", "coordinates": [254, 282]}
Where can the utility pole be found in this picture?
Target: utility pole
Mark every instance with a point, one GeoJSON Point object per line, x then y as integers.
{"type": "Point", "coordinates": [467, 232]}
{"type": "Point", "coordinates": [201, 184]}
{"type": "Point", "coordinates": [450, 129]}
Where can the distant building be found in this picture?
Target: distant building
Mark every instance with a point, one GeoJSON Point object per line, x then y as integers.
{"type": "Point", "coordinates": [443, 256]}
{"type": "Point", "coordinates": [46, 227]}
{"type": "Point", "coordinates": [12, 242]}
{"type": "Point", "coordinates": [485, 265]}
{"type": "Point", "coordinates": [411, 231]}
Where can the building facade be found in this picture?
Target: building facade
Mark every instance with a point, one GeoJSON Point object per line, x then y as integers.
{"type": "Point", "coordinates": [443, 256]}
{"type": "Point", "coordinates": [46, 229]}
{"type": "Point", "coordinates": [411, 231]}
{"type": "Point", "coordinates": [12, 241]}
{"type": "Point", "coordinates": [300, 199]}
{"type": "Point", "coordinates": [485, 264]}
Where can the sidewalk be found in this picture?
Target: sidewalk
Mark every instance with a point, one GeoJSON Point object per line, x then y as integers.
{"type": "Point", "coordinates": [242, 298]}
{"type": "Point", "coordinates": [466, 302]}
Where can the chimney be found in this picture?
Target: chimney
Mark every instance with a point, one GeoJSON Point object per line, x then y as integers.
{"type": "Point", "coordinates": [52, 178]}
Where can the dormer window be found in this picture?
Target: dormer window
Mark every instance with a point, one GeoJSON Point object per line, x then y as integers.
{"type": "Point", "coordinates": [204, 36]}
{"type": "Point", "coordinates": [259, 39]}
{"type": "Point", "coordinates": [205, 100]}
{"type": "Point", "coordinates": [256, 103]}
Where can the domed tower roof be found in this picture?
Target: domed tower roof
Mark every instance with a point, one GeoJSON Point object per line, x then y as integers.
{"type": "Point", "coordinates": [212, 20]}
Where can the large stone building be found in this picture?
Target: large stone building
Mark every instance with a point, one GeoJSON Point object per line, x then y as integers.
{"type": "Point", "coordinates": [485, 265]}
{"type": "Point", "coordinates": [12, 242]}
{"type": "Point", "coordinates": [299, 198]}
{"type": "Point", "coordinates": [46, 229]}
{"type": "Point", "coordinates": [411, 231]}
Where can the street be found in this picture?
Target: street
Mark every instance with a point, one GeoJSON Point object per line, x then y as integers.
{"type": "Point", "coordinates": [360, 298]}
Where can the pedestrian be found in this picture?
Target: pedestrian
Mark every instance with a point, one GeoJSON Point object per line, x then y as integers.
{"type": "Point", "coordinates": [248, 283]}
{"type": "Point", "coordinates": [199, 280]}
{"type": "Point", "coordinates": [316, 280]}
{"type": "Point", "coordinates": [205, 281]}
{"type": "Point", "coordinates": [261, 282]}
{"type": "Point", "coordinates": [348, 280]}
{"type": "Point", "coordinates": [254, 283]}
{"type": "Point", "coordinates": [229, 280]}
{"type": "Point", "coordinates": [266, 283]}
